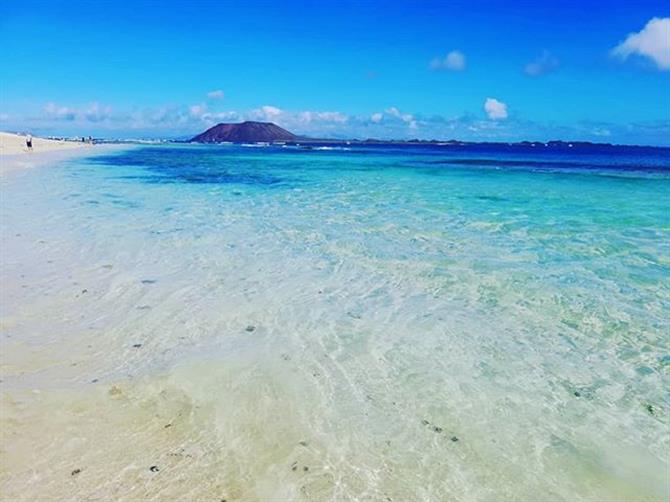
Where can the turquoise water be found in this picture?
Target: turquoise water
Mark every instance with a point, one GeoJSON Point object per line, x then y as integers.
{"type": "Point", "coordinates": [424, 323]}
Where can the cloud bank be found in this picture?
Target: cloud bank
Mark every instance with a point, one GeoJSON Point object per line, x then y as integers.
{"type": "Point", "coordinates": [493, 123]}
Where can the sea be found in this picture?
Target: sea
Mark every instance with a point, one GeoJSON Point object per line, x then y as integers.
{"type": "Point", "coordinates": [360, 322]}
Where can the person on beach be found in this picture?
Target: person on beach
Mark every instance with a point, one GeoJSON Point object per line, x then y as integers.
{"type": "Point", "coordinates": [29, 141]}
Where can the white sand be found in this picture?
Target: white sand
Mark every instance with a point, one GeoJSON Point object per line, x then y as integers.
{"type": "Point", "coordinates": [14, 144]}
{"type": "Point", "coordinates": [14, 156]}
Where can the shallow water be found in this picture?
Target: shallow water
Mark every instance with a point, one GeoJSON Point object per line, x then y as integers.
{"type": "Point", "coordinates": [367, 323]}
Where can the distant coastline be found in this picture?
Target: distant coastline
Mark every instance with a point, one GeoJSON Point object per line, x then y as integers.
{"type": "Point", "coordinates": [271, 133]}
{"type": "Point", "coordinates": [14, 143]}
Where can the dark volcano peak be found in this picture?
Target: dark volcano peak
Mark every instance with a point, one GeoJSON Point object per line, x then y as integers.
{"type": "Point", "coordinates": [244, 132]}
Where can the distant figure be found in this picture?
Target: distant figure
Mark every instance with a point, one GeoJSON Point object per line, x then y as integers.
{"type": "Point", "coordinates": [29, 141]}
{"type": "Point", "coordinates": [90, 140]}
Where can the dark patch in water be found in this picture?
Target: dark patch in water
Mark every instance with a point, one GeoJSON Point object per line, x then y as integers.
{"type": "Point", "coordinates": [191, 165]}
{"type": "Point", "coordinates": [277, 167]}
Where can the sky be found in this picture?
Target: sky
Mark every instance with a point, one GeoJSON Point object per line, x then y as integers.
{"type": "Point", "coordinates": [468, 70]}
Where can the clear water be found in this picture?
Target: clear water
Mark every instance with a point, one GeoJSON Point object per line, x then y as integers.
{"type": "Point", "coordinates": [373, 323]}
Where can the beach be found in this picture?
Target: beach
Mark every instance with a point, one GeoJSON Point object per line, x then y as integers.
{"type": "Point", "coordinates": [15, 144]}
{"type": "Point", "coordinates": [183, 322]}
{"type": "Point", "coordinates": [304, 252]}
{"type": "Point", "coordinates": [14, 154]}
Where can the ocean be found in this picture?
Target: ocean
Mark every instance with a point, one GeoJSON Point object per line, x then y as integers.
{"type": "Point", "coordinates": [362, 322]}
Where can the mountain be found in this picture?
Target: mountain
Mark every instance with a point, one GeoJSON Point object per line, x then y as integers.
{"type": "Point", "coordinates": [245, 132]}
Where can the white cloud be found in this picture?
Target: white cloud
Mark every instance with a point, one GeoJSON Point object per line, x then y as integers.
{"type": "Point", "coordinates": [496, 110]}
{"type": "Point", "coordinates": [333, 117]}
{"type": "Point", "coordinates": [197, 110]}
{"type": "Point", "coordinates": [55, 111]}
{"type": "Point", "coordinates": [396, 118]}
{"type": "Point", "coordinates": [653, 42]}
{"type": "Point", "coordinates": [454, 61]}
{"type": "Point", "coordinates": [271, 111]}
{"type": "Point", "coordinates": [302, 121]}
{"type": "Point", "coordinates": [602, 132]}
{"type": "Point", "coordinates": [217, 94]}
{"type": "Point", "coordinates": [215, 116]}
{"type": "Point", "coordinates": [544, 64]}
{"type": "Point", "coordinates": [266, 112]}
{"type": "Point", "coordinates": [94, 112]}
{"type": "Point", "coordinates": [405, 117]}
{"type": "Point", "coordinates": [309, 116]}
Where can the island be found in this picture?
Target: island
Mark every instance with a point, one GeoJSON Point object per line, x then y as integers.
{"type": "Point", "coordinates": [244, 132]}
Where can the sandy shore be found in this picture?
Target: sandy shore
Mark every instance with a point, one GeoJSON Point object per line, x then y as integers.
{"type": "Point", "coordinates": [15, 156]}
{"type": "Point", "coordinates": [15, 144]}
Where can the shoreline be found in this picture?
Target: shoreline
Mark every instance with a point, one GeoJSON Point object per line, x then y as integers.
{"type": "Point", "coordinates": [22, 161]}
{"type": "Point", "coordinates": [15, 144]}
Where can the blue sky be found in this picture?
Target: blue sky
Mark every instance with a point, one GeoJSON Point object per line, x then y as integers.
{"type": "Point", "coordinates": [473, 70]}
